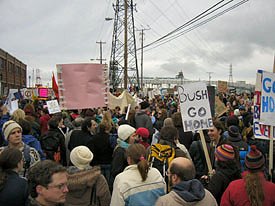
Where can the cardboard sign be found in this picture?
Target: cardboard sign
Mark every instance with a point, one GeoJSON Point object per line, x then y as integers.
{"type": "Point", "coordinates": [53, 106]}
{"type": "Point", "coordinates": [194, 106]}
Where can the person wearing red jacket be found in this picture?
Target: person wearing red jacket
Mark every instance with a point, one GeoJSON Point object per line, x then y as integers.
{"type": "Point", "coordinates": [253, 189]}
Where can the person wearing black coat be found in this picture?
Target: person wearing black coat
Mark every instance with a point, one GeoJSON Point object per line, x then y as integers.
{"type": "Point", "coordinates": [83, 136]}
{"type": "Point", "coordinates": [227, 170]}
{"type": "Point", "coordinates": [13, 188]}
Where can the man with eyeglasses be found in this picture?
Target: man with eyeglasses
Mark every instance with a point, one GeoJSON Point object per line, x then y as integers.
{"type": "Point", "coordinates": [186, 190]}
{"type": "Point", "coordinates": [47, 184]}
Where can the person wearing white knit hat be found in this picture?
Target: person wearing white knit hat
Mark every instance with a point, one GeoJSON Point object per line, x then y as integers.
{"type": "Point", "coordinates": [13, 134]}
{"type": "Point", "coordinates": [81, 157]}
{"type": "Point", "coordinates": [126, 136]}
{"type": "Point", "coordinates": [86, 184]}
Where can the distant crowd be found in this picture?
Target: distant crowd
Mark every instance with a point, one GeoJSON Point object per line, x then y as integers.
{"type": "Point", "coordinates": [101, 156]}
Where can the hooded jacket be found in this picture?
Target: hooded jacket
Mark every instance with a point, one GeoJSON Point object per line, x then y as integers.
{"type": "Point", "coordinates": [81, 183]}
{"type": "Point", "coordinates": [189, 192]}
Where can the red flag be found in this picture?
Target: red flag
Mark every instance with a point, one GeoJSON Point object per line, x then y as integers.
{"type": "Point", "coordinates": [55, 87]}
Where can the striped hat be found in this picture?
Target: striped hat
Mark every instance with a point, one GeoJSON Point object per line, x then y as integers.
{"type": "Point", "coordinates": [254, 160]}
{"type": "Point", "coordinates": [225, 152]}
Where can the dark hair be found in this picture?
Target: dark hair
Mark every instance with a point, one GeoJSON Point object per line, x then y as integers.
{"type": "Point", "coordinates": [176, 117]}
{"type": "Point", "coordinates": [169, 133]}
{"type": "Point", "coordinates": [137, 154]}
{"type": "Point", "coordinates": [53, 123]}
{"type": "Point", "coordinates": [9, 159]}
{"type": "Point", "coordinates": [87, 123]}
{"type": "Point", "coordinates": [26, 126]}
{"type": "Point", "coordinates": [184, 173]}
{"type": "Point", "coordinates": [232, 120]}
{"type": "Point", "coordinates": [218, 124]}
{"type": "Point", "coordinates": [41, 174]}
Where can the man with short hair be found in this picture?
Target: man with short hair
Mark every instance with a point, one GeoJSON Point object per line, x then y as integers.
{"type": "Point", "coordinates": [47, 184]}
{"type": "Point", "coordinates": [185, 190]}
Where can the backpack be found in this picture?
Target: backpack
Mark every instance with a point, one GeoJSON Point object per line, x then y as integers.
{"type": "Point", "coordinates": [160, 157]}
{"type": "Point", "coordinates": [50, 144]}
{"type": "Point", "coordinates": [27, 158]}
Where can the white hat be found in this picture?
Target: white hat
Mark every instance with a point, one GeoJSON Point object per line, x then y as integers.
{"type": "Point", "coordinates": [81, 157]}
{"type": "Point", "coordinates": [125, 131]}
{"type": "Point", "coordinates": [8, 127]}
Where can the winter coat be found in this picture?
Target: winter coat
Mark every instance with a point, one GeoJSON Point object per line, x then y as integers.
{"type": "Point", "coordinates": [188, 193]}
{"type": "Point", "coordinates": [81, 183]}
{"type": "Point", "coordinates": [236, 195]}
{"type": "Point", "coordinates": [143, 120]}
{"type": "Point", "coordinates": [101, 147]}
{"type": "Point", "coordinates": [185, 138]}
{"type": "Point", "coordinates": [33, 202]}
{"type": "Point", "coordinates": [119, 161]}
{"type": "Point", "coordinates": [31, 157]}
{"type": "Point", "coordinates": [78, 138]}
{"type": "Point", "coordinates": [15, 191]}
{"type": "Point", "coordinates": [129, 189]}
{"type": "Point", "coordinates": [221, 179]}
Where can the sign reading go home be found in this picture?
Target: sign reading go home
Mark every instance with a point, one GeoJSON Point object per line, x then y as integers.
{"type": "Point", "coordinates": [194, 106]}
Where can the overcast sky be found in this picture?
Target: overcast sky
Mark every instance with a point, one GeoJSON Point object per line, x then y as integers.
{"type": "Point", "coordinates": [43, 33]}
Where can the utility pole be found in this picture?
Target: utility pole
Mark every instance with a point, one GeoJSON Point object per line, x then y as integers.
{"type": "Point", "coordinates": [100, 51]}
{"type": "Point", "coordinates": [141, 63]}
{"type": "Point", "coordinates": [209, 76]}
{"type": "Point", "coordinates": [230, 80]}
{"type": "Point", "coordinates": [125, 43]}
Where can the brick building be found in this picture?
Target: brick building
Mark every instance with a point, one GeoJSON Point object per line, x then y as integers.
{"type": "Point", "coordinates": [13, 73]}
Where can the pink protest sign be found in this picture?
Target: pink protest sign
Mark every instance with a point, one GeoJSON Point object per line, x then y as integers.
{"type": "Point", "coordinates": [81, 85]}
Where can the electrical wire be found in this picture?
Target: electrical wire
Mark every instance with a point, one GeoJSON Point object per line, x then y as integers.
{"type": "Point", "coordinates": [161, 42]}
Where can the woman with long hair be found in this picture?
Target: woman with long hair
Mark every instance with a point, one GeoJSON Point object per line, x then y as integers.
{"type": "Point", "coordinates": [138, 184]}
{"type": "Point", "coordinates": [253, 189]}
{"type": "Point", "coordinates": [13, 188]}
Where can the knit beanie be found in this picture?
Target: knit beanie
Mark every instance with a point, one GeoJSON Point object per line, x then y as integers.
{"type": "Point", "coordinates": [254, 160]}
{"type": "Point", "coordinates": [8, 127]}
{"type": "Point", "coordinates": [143, 132]}
{"type": "Point", "coordinates": [225, 152]}
{"type": "Point", "coordinates": [233, 131]}
{"type": "Point", "coordinates": [81, 157]}
{"type": "Point", "coordinates": [125, 131]}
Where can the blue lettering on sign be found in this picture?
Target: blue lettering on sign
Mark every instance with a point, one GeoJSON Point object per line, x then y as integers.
{"type": "Point", "coordinates": [256, 113]}
{"type": "Point", "coordinates": [268, 104]}
{"type": "Point", "coordinates": [268, 85]}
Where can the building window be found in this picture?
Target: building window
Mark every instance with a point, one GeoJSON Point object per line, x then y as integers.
{"type": "Point", "coordinates": [2, 63]}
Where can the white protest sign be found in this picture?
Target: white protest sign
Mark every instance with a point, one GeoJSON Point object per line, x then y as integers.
{"type": "Point", "coordinates": [194, 106]}
{"type": "Point", "coordinates": [14, 106]}
{"type": "Point", "coordinates": [267, 112]}
{"type": "Point", "coordinates": [53, 106]}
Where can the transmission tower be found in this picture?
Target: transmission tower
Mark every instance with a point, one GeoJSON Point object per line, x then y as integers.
{"type": "Point", "coordinates": [123, 61]}
{"type": "Point", "coordinates": [230, 80]}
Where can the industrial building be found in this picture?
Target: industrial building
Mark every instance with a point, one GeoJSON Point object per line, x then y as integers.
{"type": "Point", "coordinates": [13, 73]}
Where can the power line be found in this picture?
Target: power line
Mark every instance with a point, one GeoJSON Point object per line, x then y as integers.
{"type": "Point", "coordinates": [195, 26]}
{"type": "Point", "coordinates": [188, 23]}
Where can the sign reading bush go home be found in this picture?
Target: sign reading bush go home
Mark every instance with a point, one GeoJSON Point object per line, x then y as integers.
{"type": "Point", "coordinates": [194, 106]}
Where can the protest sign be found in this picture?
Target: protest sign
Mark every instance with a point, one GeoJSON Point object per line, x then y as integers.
{"type": "Point", "coordinates": [82, 86]}
{"type": "Point", "coordinates": [195, 112]}
{"type": "Point", "coordinates": [194, 106]}
{"type": "Point", "coordinates": [53, 106]}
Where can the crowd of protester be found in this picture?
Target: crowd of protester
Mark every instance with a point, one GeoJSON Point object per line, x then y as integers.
{"type": "Point", "coordinates": [96, 156]}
